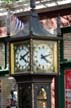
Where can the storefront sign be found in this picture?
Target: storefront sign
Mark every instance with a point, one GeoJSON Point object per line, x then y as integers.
{"type": "Point", "coordinates": [67, 81]}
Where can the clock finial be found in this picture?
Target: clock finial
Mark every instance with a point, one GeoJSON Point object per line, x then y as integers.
{"type": "Point", "coordinates": [32, 4]}
{"type": "Point", "coordinates": [34, 27]}
{"type": "Point", "coordinates": [58, 25]}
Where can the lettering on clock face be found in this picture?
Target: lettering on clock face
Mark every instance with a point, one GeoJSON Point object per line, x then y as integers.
{"type": "Point", "coordinates": [43, 57]}
{"type": "Point", "coordinates": [22, 57]}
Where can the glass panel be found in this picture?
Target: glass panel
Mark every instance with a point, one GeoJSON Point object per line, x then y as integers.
{"type": "Point", "coordinates": [42, 98]}
{"type": "Point", "coordinates": [50, 24]}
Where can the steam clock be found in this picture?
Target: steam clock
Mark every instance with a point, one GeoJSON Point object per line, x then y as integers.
{"type": "Point", "coordinates": [34, 62]}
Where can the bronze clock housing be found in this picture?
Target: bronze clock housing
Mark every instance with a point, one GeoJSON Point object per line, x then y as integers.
{"type": "Point", "coordinates": [33, 56]}
{"type": "Point", "coordinates": [34, 49]}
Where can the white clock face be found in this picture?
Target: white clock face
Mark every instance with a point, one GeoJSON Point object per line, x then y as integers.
{"type": "Point", "coordinates": [43, 57]}
{"type": "Point", "coordinates": [22, 57]}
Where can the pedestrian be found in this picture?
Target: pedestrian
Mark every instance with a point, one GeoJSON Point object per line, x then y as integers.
{"type": "Point", "coordinates": [12, 100]}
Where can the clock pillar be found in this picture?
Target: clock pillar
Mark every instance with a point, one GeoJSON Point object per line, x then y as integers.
{"type": "Point", "coordinates": [33, 69]}
{"type": "Point", "coordinates": [34, 91]}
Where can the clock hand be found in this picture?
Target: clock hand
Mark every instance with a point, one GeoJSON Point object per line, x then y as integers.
{"type": "Point", "coordinates": [25, 54]}
{"type": "Point", "coordinates": [44, 57]}
{"type": "Point", "coordinates": [23, 57]}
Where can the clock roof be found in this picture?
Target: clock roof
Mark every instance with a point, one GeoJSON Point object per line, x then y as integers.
{"type": "Point", "coordinates": [33, 27]}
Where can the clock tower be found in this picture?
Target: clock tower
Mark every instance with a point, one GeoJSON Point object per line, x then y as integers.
{"type": "Point", "coordinates": [34, 61]}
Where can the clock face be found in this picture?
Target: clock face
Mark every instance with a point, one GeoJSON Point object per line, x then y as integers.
{"type": "Point", "coordinates": [43, 57]}
{"type": "Point", "coordinates": [22, 58]}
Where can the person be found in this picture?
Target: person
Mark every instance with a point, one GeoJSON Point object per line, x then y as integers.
{"type": "Point", "coordinates": [12, 100]}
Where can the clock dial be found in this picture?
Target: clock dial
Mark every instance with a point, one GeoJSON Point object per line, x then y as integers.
{"type": "Point", "coordinates": [43, 57]}
{"type": "Point", "coordinates": [22, 57]}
